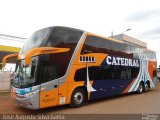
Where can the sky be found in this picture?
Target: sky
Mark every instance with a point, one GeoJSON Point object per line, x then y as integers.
{"type": "Point", "coordinates": [23, 17]}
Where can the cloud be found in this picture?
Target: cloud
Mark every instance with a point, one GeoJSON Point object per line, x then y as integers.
{"type": "Point", "coordinates": [158, 52]}
{"type": "Point", "coordinates": [142, 15]}
{"type": "Point", "coordinates": [153, 34]}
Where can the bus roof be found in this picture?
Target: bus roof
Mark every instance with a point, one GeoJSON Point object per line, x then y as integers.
{"type": "Point", "coordinates": [117, 38]}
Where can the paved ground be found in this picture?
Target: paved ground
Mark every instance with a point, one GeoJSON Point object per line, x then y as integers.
{"type": "Point", "coordinates": [123, 104]}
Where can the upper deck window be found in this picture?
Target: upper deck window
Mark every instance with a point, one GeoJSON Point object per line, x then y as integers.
{"type": "Point", "coordinates": [94, 44]}
{"type": "Point", "coordinates": [53, 37]}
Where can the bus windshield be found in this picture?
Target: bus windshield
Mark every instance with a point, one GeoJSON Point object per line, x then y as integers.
{"type": "Point", "coordinates": [53, 37]}
{"type": "Point", "coordinates": [25, 76]}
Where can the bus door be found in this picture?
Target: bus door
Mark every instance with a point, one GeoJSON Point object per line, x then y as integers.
{"type": "Point", "coordinates": [49, 84]}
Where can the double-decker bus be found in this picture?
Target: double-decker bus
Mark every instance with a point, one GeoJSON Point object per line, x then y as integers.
{"type": "Point", "coordinates": [61, 65]}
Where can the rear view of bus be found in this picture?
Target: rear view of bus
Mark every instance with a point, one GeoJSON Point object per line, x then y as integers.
{"type": "Point", "coordinates": [60, 65]}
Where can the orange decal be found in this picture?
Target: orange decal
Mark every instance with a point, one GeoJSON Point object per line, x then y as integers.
{"type": "Point", "coordinates": [151, 67]}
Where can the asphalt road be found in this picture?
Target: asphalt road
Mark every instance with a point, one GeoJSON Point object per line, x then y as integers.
{"type": "Point", "coordinates": [123, 104]}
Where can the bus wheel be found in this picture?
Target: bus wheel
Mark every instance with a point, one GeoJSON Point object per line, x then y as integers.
{"type": "Point", "coordinates": [146, 87]}
{"type": "Point", "coordinates": [140, 88]}
{"type": "Point", "coordinates": [78, 98]}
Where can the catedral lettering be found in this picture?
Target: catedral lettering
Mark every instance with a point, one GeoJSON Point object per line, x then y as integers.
{"type": "Point", "coordinates": [61, 65]}
{"type": "Point", "coordinates": [111, 60]}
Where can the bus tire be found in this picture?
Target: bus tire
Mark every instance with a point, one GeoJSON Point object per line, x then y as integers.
{"type": "Point", "coordinates": [78, 98]}
{"type": "Point", "coordinates": [140, 88]}
{"type": "Point", "coordinates": [146, 87]}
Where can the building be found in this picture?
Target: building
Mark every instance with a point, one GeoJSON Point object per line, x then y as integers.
{"type": "Point", "coordinates": [130, 40]}
{"type": "Point", "coordinates": [9, 45]}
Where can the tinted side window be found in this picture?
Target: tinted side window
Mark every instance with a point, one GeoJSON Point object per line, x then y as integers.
{"type": "Point", "coordinates": [135, 51]}
{"type": "Point", "coordinates": [52, 66]}
{"type": "Point", "coordinates": [63, 37]}
{"type": "Point", "coordinates": [95, 44]}
{"type": "Point", "coordinates": [104, 73]}
{"type": "Point", "coordinates": [80, 75]}
{"type": "Point", "coordinates": [134, 73]}
{"type": "Point", "coordinates": [100, 73]}
{"type": "Point", "coordinates": [48, 71]}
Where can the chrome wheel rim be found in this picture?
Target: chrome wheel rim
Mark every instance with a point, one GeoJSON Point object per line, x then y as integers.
{"type": "Point", "coordinates": [146, 87]}
{"type": "Point", "coordinates": [78, 98]}
{"type": "Point", "coordinates": [140, 88]}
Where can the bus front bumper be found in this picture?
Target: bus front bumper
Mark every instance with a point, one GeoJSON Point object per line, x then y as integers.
{"type": "Point", "coordinates": [30, 102]}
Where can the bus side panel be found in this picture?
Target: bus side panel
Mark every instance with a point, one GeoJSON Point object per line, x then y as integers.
{"type": "Point", "coordinates": [55, 96]}
{"type": "Point", "coordinates": [62, 93]}
{"type": "Point", "coordinates": [106, 88]}
{"type": "Point", "coordinates": [48, 98]}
